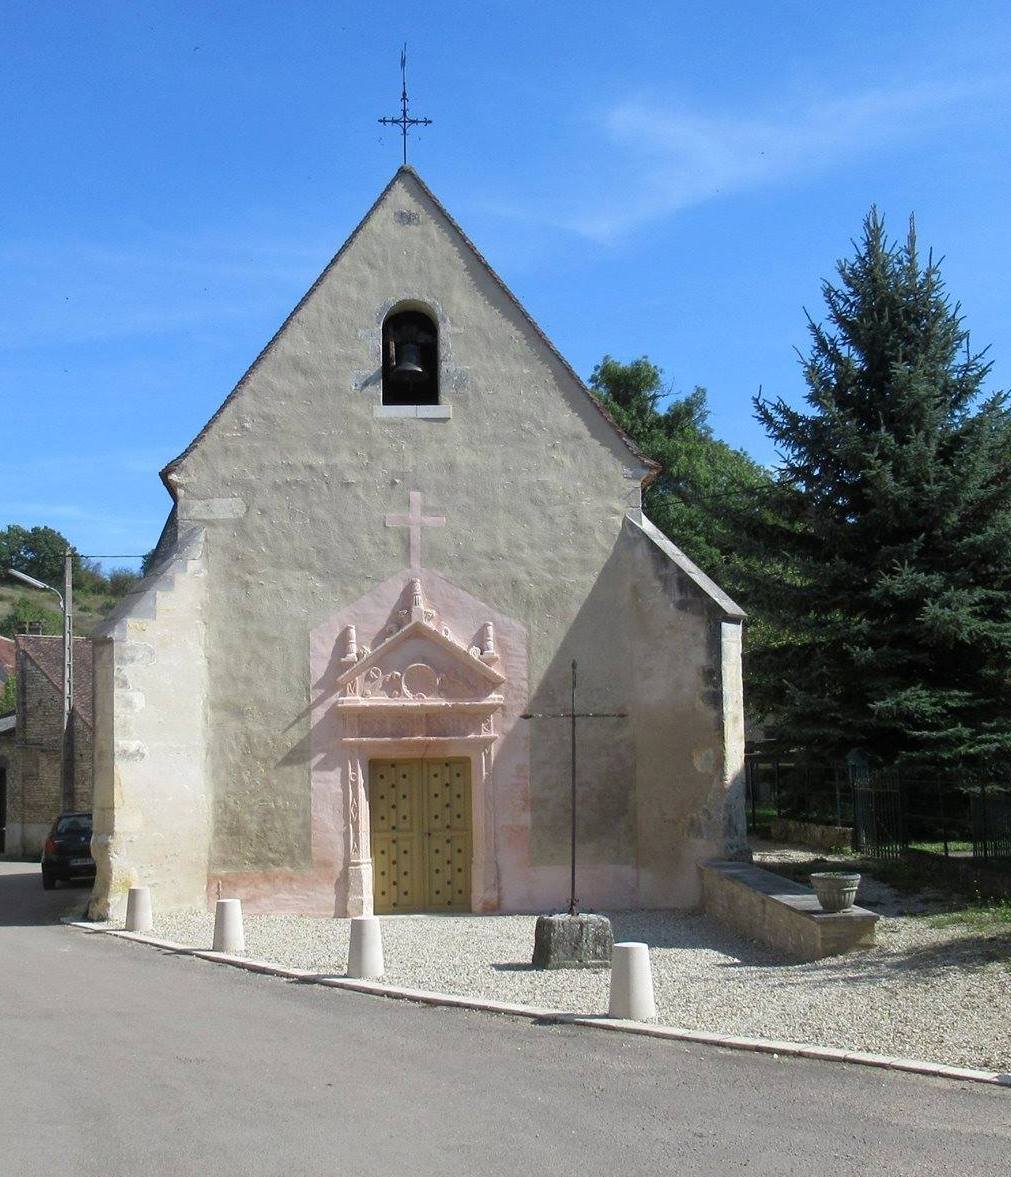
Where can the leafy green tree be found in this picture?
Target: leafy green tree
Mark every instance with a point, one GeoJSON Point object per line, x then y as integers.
{"type": "Point", "coordinates": [13, 541]}
{"type": "Point", "coordinates": [37, 551]}
{"type": "Point", "coordinates": [886, 553]}
{"type": "Point", "coordinates": [121, 581]}
{"type": "Point", "coordinates": [631, 390]}
{"type": "Point", "coordinates": [698, 473]}
{"type": "Point", "coordinates": [89, 577]}
{"type": "Point", "coordinates": [25, 610]}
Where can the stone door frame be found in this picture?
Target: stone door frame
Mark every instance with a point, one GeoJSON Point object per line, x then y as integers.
{"type": "Point", "coordinates": [479, 750]}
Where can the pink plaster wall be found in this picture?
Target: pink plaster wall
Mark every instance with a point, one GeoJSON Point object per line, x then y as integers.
{"type": "Point", "coordinates": [323, 890]}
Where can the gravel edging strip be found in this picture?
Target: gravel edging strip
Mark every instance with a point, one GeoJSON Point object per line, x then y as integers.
{"type": "Point", "coordinates": [642, 1029]}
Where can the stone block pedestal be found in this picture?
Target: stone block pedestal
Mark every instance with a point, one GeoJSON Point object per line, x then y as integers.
{"type": "Point", "coordinates": [572, 942]}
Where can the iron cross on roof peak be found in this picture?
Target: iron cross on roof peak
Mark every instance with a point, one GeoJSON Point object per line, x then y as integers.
{"type": "Point", "coordinates": [404, 120]}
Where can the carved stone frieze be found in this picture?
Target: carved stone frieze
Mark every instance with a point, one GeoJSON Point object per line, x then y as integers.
{"type": "Point", "coordinates": [418, 658]}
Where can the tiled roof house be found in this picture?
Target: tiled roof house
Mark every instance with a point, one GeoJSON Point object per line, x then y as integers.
{"type": "Point", "coordinates": [32, 793]}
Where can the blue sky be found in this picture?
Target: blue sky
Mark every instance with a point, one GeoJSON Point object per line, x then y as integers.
{"type": "Point", "coordinates": [671, 179]}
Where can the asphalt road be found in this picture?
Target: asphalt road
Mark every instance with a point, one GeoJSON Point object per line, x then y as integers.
{"type": "Point", "coordinates": [117, 1059]}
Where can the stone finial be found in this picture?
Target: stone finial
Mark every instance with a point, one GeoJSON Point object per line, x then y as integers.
{"type": "Point", "coordinates": [418, 608]}
{"type": "Point", "coordinates": [350, 655]}
{"type": "Point", "coordinates": [487, 643]}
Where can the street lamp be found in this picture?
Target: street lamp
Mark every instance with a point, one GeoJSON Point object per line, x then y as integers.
{"type": "Point", "coordinates": [66, 606]}
{"type": "Point", "coordinates": [39, 584]}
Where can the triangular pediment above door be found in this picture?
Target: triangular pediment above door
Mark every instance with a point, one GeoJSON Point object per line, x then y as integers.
{"type": "Point", "coordinates": [418, 659]}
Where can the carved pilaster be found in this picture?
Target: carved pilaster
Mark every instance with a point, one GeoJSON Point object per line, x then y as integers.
{"type": "Point", "coordinates": [485, 864]}
{"type": "Point", "coordinates": [359, 850]}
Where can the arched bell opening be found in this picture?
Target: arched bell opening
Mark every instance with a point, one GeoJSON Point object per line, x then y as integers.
{"type": "Point", "coordinates": [410, 359]}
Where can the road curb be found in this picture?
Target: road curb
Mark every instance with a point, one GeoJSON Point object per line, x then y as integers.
{"type": "Point", "coordinates": [535, 1013]}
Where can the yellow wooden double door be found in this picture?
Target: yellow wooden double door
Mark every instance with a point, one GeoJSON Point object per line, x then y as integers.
{"type": "Point", "coordinates": [419, 814]}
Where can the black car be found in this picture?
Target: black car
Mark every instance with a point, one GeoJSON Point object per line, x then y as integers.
{"type": "Point", "coordinates": [67, 852]}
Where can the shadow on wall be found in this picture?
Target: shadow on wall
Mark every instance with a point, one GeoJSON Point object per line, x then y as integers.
{"type": "Point", "coordinates": [647, 642]}
{"type": "Point", "coordinates": [599, 641]}
{"type": "Point", "coordinates": [324, 691]}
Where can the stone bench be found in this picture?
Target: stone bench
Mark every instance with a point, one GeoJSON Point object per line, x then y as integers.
{"type": "Point", "coordinates": [783, 914]}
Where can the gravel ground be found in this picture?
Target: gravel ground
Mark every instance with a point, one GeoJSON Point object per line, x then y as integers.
{"type": "Point", "coordinates": [940, 994]}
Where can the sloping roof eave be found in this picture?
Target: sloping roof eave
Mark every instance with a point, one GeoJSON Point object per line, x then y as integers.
{"type": "Point", "coordinates": [723, 601]}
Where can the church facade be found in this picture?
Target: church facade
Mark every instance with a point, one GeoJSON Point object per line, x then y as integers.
{"type": "Point", "coordinates": [386, 550]}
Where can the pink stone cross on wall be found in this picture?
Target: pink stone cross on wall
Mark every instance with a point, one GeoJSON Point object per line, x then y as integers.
{"type": "Point", "coordinates": [415, 521]}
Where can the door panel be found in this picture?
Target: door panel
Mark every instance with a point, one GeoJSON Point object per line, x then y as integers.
{"type": "Point", "coordinates": [447, 801]}
{"type": "Point", "coordinates": [421, 834]}
{"type": "Point", "coordinates": [396, 801]}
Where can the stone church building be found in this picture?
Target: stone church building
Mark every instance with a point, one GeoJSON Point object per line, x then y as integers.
{"type": "Point", "coordinates": [386, 549]}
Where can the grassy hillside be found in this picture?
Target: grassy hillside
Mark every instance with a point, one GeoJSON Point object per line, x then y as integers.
{"type": "Point", "coordinates": [89, 608]}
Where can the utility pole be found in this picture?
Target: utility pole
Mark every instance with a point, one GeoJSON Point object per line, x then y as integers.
{"type": "Point", "coordinates": [67, 747]}
{"type": "Point", "coordinates": [67, 773]}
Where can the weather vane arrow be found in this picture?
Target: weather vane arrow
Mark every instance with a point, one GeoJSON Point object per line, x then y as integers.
{"type": "Point", "coordinates": [404, 119]}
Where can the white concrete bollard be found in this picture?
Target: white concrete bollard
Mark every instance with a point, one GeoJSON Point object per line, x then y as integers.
{"type": "Point", "coordinates": [631, 983]}
{"type": "Point", "coordinates": [228, 932]}
{"type": "Point", "coordinates": [138, 910]}
{"type": "Point", "coordinates": [365, 955]}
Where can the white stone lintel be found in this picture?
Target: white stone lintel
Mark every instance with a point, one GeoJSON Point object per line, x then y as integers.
{"type": "Point", "coordinates": [211, 510]}
{"type": "Point", "coordinates": [413, 412]}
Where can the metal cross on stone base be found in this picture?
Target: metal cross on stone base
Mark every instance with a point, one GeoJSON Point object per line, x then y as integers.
{"type": "Point", "coordinates": [576, 940]}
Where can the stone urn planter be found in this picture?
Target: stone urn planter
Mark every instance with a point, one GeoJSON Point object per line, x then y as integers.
{"type": "Point", "coordinates": [836, 890]}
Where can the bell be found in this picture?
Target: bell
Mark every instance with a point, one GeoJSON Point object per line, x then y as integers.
{"type": "Point", "coordinates": [408, 366]}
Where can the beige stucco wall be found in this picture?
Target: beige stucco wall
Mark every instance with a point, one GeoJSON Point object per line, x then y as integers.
{"type": "Point", "coordinates": [533, 482]}
{"type": "Point", "coordinates": [290, 485]}
{"type": "Point", "coordinates": [151, 823]}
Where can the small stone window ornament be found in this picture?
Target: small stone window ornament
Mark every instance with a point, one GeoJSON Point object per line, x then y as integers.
{"type": "Point", "coordinates": [410, 359]}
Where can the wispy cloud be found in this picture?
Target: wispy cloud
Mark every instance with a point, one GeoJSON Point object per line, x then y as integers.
{"type": "Point", "coordinates": [667, 158]}
{"type": "Point", "coordinates": [60, 513]}
{"type": "Point", "coordinates": [87, 465]}
{"type": "Point", "coordinates": [74, 291]}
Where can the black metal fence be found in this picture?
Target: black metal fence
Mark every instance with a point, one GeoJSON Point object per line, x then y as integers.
{"type": "Point", "coordinates": [990, 815]}
{"type": "Point", "coordinates": [803, 790]}
{"type": "Point", "coordinates": [879, 819]}
{"type": "Point", "coordinates": [889, 810]}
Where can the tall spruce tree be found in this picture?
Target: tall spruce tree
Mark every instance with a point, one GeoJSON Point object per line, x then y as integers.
{"type": "Point", "coordinates": [697, 471]}
{"type": "Point", "coordinates": [887, 541]}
